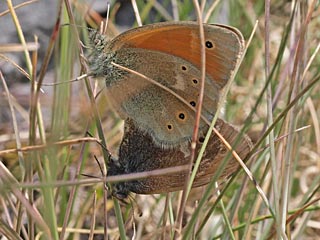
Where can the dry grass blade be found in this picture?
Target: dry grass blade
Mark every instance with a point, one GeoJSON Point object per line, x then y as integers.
{"type": "Point", "coordinates": [185, 192]}
{"type": "Point", "coordinates": [6, 48]}
{"type": "Point", "coordinates": [136, 12]}
{"type": "Point", "coordinates": [44, 146]}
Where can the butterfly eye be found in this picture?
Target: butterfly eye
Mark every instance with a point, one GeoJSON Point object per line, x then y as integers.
{"type": "Point", "coordinates": [201, 139]}
{"type": "Point", "coordinates": [209, 44]}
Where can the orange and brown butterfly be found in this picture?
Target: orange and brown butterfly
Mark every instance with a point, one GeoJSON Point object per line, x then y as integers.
{"type": "Point", "coordinates": [139, 153]}
{"type": "Point", "coordinates": [168, 53]}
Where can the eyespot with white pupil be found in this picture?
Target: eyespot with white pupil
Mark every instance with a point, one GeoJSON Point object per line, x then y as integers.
{"type": "Point", "coordinates": [169, 126]}
{"type": "Point", "coordinates": [182, 116]}
{"type": "Point", "coordinates": [195, 81]}
{"type": "Point", "coordinates": [193, 103]}
{"type": "Point", "coordinates": [209, 44]}
{"type": "Point", "coordinates": [183, 68]}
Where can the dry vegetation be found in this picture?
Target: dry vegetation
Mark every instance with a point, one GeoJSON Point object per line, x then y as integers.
{"type": "Point", "coordinates": [275, 97]}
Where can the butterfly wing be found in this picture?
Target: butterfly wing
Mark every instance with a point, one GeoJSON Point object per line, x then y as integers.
{"type": "Point", "coordinates": [210, 164]}
{"type": "Point", "coordinates": [138, 154]}
{"type": "Point", "coordinates": [163, 115]}
{"type": "Point", "coordinates": [224, 45]}
{"type": "Point", "coordinates": [168, 53]}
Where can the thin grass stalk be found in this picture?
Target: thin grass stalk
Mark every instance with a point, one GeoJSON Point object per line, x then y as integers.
{"type": "Point", "coordinates": [292, 121]}
{"type": "Point", "coordinates": [162, 11]}
{"type": "Point", "coordinates": [106, 160]}
{"type": "Point", "coordinates": [136, 12]}
{"type": "Point", "coordinates": [219, 197]}
{"type": "Point", "coordinates": [226, 220]}
{"type": "Point", "coordinates": [71, 195]}
{"type": "Point", "coordinates": [20, 35]}
{"type": "Point", "coordinates": [51, 44]}
{"type": "Point", "coordinates": [25, 3]}
{"type": "Point", "coordinates": [6, 212]}
{"type": "Point", "coordinates": [26, 167]}
{"type": "Point", "coordinates": [165, 216]}
{"type": "Point", "coordinates": [7, 232]}
{"type": "Point", "coordinates": [93, 217]}
{"type": "Point", "coordinates": [210, 11]}
{"type": "Point", "coordinates": [188, 183]}
{"type": "Point", "coordinates": [48, 197]}
{"type": "Point", "coordinates": [106, 155]}
{"type": "Point", "coordinates": [32, 136]}
{"type": "Point", "coordinates": [145, 12]}
{"type": "Point", "coordinates": [20, 69]}
{"type": "Point", "coordinates": [227, 87]}
{"type": "Point", "coordinates": [189, 228]}
{"type": "Point", "coordinates": [61, 110]}
{"type": "Point", "coordinates": [79, 166]}
{"type": "Point", "coordinates": [171, 218]}
{"type": "Point", "coordinates": [274, 164]}
{"type": "Point", "coordinates": [231, 180]}
{"type": "Point", "coordinates": [207, 193]}
{"type": "Point", "coordinates": [280, 116]}
{"type": "Point", "coordinates": [295, 214]}
{"type": "Point", "coordinates": [12, 183]}
{"type": "Point", "coordinates": [175, 10]}
{"type": "Point", "coordinates": [254, 207]}
{"type": "Point", "coordinates": [18, 143]}
{"type": "Point", "coordinates": [248, 231]}
{"type": "Point", "coordinates": [29, 66]}
{"type": "Point", "coordinates": [271, 75]}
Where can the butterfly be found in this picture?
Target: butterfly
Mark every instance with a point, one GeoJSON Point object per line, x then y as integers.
{"type": "Point", "coordinates": [139, 153]}
{"type": "Point", "coordinates": [169, 54]}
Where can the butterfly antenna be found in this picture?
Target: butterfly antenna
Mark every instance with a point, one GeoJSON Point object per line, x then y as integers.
{"type": "Point", "coordinates": [88, 175]}
{"type": "Point", "coordinates": [99, 92]}
{"type": "Point", "coordinates": [103, 147]}
{"type": "Point", "coordinates": [100, 167]}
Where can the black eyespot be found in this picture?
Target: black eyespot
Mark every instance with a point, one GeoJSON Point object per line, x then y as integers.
{"type": "Point", "coordinates": [181, 116]}
{"type": "Point", "coordinates": [169, 126]}
{"type": "Point", "coordinates": [195, 81]}
{"type": "Point", "coordinates": [201, 139]}
{"type": "Point", "coordinates": [209, 44]}
{"type": "Point", "coordinates": [193, 103]}
{"type": "Point", "coordinates": [184, 68]}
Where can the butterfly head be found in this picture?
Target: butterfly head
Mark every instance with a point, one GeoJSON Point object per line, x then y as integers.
{"type": "Point", "coordinates": [120, 190]}
{"type": "Point", "coordinates": [100, 58]}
